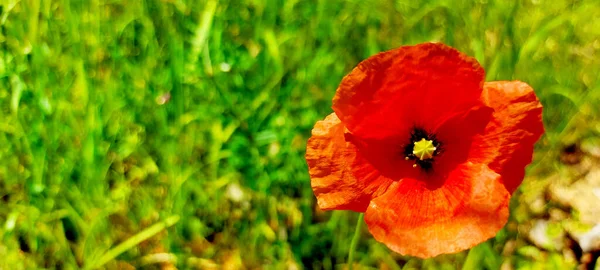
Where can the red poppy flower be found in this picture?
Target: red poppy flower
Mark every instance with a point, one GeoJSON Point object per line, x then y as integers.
{"type": "Point", "coordinates": [427, 150]}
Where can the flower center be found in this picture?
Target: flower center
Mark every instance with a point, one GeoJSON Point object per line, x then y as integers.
{"type": "Point", "coordinates": [424, 149]}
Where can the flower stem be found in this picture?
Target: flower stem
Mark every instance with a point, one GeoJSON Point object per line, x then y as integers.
{"type": "Point", "coordinates": [355, 240]}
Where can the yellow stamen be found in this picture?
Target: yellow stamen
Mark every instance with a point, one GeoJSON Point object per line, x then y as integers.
{"type": "Point", "coordinates": [424, 149]}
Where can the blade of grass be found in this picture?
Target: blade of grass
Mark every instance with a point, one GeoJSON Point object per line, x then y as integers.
{"type": "Point", "coordinates": [203, 29]}
{"type": "Point", "coordinates": [482, 254]}
{"type": "Point", "coordinates": [134, 241]}
{"type": "Point", "coordinates": [473, 259]}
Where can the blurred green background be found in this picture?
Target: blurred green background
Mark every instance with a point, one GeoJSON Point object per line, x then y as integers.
{"type": "Point", "coordinates": [165, 134]}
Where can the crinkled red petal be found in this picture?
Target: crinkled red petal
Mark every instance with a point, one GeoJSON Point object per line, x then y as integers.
{"type": "Point", "coordinates": [412, 219]}
{"type": "Point", "coordinates": [341, 177]}
{"type": "Point", "coordinates": [508, 140]}
{"type": "Point", "coordinates": [456, 137]}
{"type": "Point", "coordinates": [389, 93]}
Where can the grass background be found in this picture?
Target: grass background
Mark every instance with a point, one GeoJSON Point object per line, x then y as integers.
{"type": "Point", "coordinates": [165, 134]}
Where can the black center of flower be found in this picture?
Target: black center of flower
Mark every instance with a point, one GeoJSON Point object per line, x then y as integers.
{"type": "Point", "coordinates": [422, 148]}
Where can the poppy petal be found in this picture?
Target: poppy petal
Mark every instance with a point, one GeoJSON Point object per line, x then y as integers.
{"type": "Point", "coordinates": [388, 93]}
{"type": "Point", "coordinates": [411, 219]}
{"type": "Point", "coordinates": [508, 140]}
{"type": "Point", "coordinates": [456, 135]}
{"type": "Point", "coordinates": [341, 177]}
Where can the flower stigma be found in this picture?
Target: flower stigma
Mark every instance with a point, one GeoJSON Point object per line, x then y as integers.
{"type": "Point", "coordinates": [424, 149]}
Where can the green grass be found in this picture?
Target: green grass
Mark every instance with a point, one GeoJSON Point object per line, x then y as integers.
{"type": "Point", "coordinates": [172, 133]}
